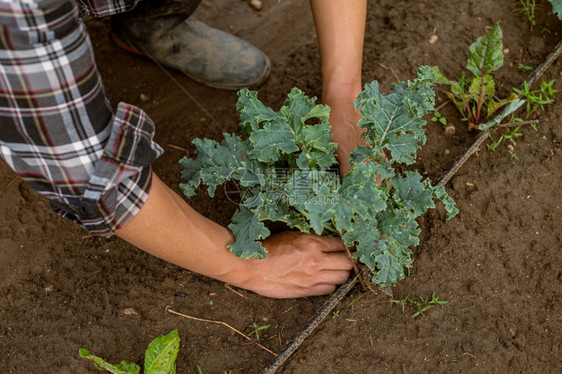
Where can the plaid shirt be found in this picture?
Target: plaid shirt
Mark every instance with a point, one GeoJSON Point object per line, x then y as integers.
{"type": "Point", "coordinates": [57, 128]}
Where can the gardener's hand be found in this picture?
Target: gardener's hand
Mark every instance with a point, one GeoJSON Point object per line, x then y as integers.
{"type": "Point", "coordinates": [298, 265]}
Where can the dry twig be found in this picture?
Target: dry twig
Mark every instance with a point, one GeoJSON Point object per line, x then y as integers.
{"type": "Point", "coordinates": [177, 147]}
{"type": "Point", "coordinates": [233, 290]}
{"type": "Point", "coordinates": [219, 323]}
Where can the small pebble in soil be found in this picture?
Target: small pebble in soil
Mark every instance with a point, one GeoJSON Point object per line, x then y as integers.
{"type": "Point", "coordinates": [144, 97]}
{"type": "Point", "coordinates": [505, 51]}
{"type": "Point", "coordinates": [256, 4]}
{"type": "Point", "coordinates": [433, 38]}
{"type": "Point", "coordinates": [449, 130]}
{"type": "Point", "coordinates": [129, 313]}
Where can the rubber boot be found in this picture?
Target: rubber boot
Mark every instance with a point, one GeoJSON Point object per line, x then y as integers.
{"type": "Point", "coordinates": [166, 32]}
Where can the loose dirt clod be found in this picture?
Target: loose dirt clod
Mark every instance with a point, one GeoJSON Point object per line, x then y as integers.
{"type": "Point", "coordinates": [256, 4]}
{"type": "Point", "coordinates": [129, 313]}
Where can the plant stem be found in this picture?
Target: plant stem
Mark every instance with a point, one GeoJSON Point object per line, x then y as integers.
{"type": "Point", "coordinates": [480, 102]}
{"type": "Point", "coordinates": [468, 109]}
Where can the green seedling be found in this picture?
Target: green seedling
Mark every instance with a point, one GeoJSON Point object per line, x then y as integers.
{"type": "Point", "coordinates": [509, 136]}
{"type": "Point", "coordinates": [528, 9]}
{"type": "Point", "coordinates": [160, 357]}
{"type": "Point", "coordinates": [402, 302]}
{"type": "Point", "coordinates": [438, 117]}
{"type": "Point", "coordinates": [284, 167]}
{"type": "Point", "coordinates": [336, 314]}
{"type": "Point", "coordinates": [257, 330]}
{"type": "Point", "coordinates": [353, 300]}
{"type": "Point", "coordinates": [199, 370]}
{"type": "Point", "coordinates": [475, 97]}
{"type": "Point", "coordinates": [524, 67]}
{"type": "Point", "coordinates": [422, 305]}
{"type": "Point", "coordinates": [536, 99]}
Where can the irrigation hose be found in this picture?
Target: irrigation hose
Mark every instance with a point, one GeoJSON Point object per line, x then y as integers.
{"type": "Point", "coordinates": [329, 305]}
{"type": "Point", "coordinates": [311, 325]}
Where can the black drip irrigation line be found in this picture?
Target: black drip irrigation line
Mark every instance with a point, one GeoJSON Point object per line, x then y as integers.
{"type": "Point", "coordinates": [311, 325]}
{"type": "Point", "coordinates": [329, 305]}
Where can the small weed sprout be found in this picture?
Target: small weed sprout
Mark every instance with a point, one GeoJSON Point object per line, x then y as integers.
{"type": "Point", "coordinates": [528, 9]}
{"type": "Point", "coordinates": [422, 305]}
{"type": "Point", "coordinates": [353, 300]}
{"type": "Point", "coordinates": [257, 330]}
{"type": "Point", "coordinates": [537, 98]}
{"type": "Point", "coordinates": [509, 136]}
{"type": "Point", "coordinates": [438, 117]}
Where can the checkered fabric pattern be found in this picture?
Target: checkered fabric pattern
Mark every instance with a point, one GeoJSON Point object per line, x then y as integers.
{"type": "Point", "coordinates": [57, 128]}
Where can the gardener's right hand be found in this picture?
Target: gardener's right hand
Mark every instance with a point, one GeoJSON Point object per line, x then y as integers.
{"type": "Point", "coordinates": [298, 265]}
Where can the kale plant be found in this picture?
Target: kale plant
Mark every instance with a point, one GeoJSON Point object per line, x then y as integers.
{"type": "Point", "coordinates": [284, 168]}
{"type": "Point", "coordinates": [557, 7]}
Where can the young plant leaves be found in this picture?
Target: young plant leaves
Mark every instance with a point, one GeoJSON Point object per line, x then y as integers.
{"type": "Point", "coordinates": [486, 54]}
{"type": "Point", "coordinates": [248, 230]}
{"type": "Point", "coordinates": [123, 367]}
{"type": "Point", "coordinates": [474, 97]}
{"type": "Point", "coordinates": [160, 356]}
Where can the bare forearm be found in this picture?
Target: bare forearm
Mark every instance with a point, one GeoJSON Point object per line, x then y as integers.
{"type": "Point", "coordinates": [168, 228]}
{"type": "Point", "coordinates": [340, 25]}
{"type": "Point", "coordinates": [297, 265]}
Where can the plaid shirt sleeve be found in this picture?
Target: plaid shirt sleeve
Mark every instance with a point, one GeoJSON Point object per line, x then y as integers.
{"type": "Point", "coordinates": [57, 128]}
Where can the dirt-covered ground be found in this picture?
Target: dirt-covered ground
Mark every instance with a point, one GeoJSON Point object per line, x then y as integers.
{"type": "Point", "coordinates": [499, 263]}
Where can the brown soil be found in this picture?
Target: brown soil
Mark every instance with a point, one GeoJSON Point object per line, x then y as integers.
{"type": "Point", "coordinates": [499, 263]}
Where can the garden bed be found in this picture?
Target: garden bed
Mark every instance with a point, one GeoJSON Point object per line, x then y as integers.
{"type": "Point", "coordinates": [499, 263]}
